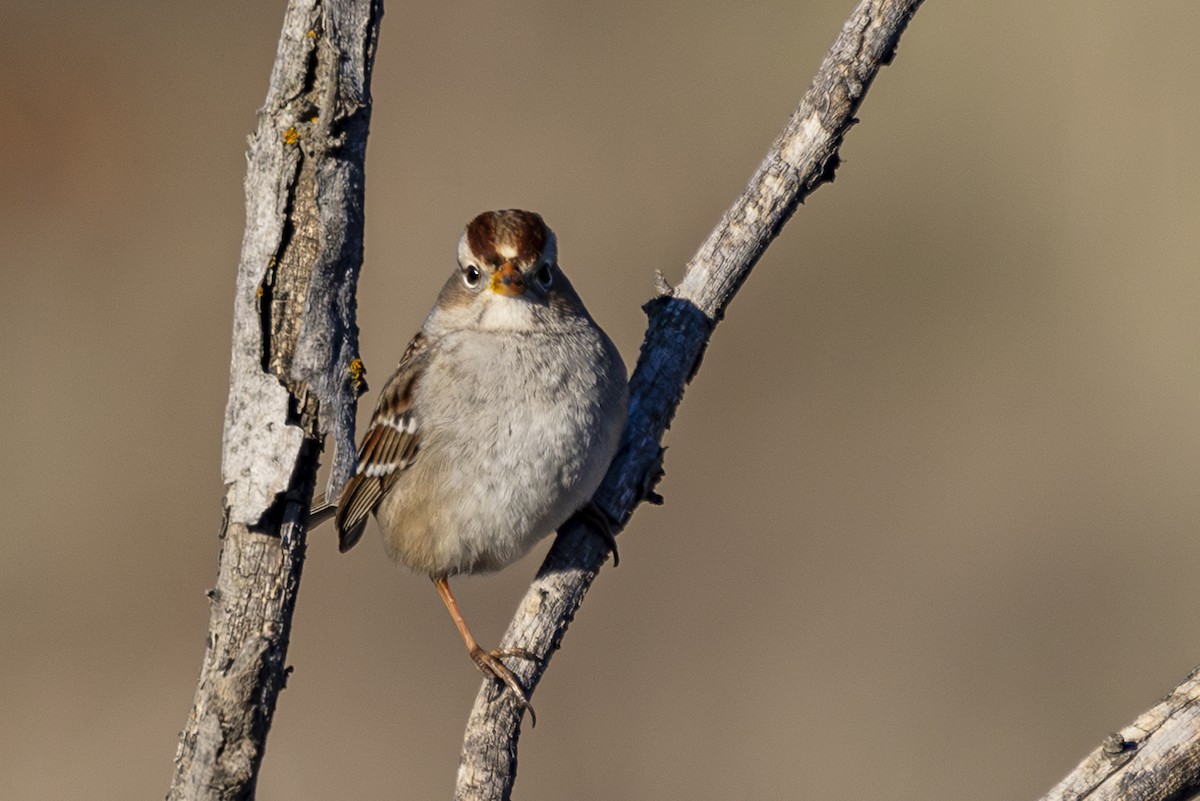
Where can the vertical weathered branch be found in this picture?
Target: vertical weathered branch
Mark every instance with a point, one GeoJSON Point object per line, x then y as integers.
{"type": "Point", "coordinates": [294, 377]}
{"type": "Point", "coordinates": [681, 321]}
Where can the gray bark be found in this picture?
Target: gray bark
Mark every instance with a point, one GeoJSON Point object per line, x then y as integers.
{"type": "Point", "coordinates": [294, 377]}
{"type": "Point", "coordinates": [681, 321]}
{"type": "Point", "coordinates": [1155, 758]}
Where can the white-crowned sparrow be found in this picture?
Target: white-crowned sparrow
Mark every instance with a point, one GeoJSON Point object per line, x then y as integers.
{"type": "Point", "coordinates": [499, 423]}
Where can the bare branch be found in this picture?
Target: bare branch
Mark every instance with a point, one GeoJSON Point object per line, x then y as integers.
{"type": "Point", "coordinates": [1157, 757]}
{"type": "Point", "coordinates": [294, 377]}
{"type": "Point", "coordinates": [681, 321]}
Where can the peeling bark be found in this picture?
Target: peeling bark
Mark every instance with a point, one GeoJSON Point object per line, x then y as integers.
{"type": "Point", "coordinates": [294, 377]}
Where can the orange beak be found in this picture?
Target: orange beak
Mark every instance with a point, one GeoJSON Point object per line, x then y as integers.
{"type": "Point", "coordinates": [508, 281]}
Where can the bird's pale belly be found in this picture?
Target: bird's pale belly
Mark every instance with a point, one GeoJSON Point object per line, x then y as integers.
{"type": "Point", "coordinates": [462, 509]}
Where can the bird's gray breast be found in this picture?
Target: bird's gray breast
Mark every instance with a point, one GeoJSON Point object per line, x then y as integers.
{"type": "Point", "coordinates": [513, 436]}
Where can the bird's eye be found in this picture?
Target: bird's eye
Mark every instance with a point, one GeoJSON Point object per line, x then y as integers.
{"type": "Point", "coordinates": [544, 276]}
{"type": "Point", "coordinates": [471, 276]}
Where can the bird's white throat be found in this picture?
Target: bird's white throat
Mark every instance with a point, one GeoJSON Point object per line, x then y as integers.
{"type": "Point", "coordinates": [507, 314]}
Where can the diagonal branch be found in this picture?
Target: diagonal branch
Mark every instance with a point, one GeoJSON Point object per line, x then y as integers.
{"type": "Point", "coordinates": [1156, 757]}
{"type": "Point", "coordinates": [681, 321]}
{"type": "Point", "coordinates": [293, 377]}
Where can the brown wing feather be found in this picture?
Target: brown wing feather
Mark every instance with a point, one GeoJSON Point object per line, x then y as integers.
{"type": "Point", "coordinates": [390, 445]}
{"type": "Point", "coordinates": [359, 498]}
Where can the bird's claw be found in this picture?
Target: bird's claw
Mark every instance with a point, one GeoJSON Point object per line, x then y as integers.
{"type": "Point", "coordinates": [490, 664]}
{"type": "Point", "coordinates": [602, 527]}
{"type": "Point", "coordinates": [515, 653]}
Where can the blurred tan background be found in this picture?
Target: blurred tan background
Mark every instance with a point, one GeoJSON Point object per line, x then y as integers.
{"type": "Point", "coordinates": [932, 523]}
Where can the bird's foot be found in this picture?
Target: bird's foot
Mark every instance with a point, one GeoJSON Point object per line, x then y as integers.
{"type": "Point", "coordinates": [602, 526]}
{"type": "Point", "coordinates": [490, 664]}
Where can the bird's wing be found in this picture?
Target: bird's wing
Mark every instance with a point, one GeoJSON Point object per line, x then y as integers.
{"type": "Point", "coordinates": [389, 446]}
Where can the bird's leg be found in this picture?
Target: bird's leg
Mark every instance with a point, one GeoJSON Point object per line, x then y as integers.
{"type": "Point", "coordinates": [488, 662]}
{"type": "Point", "coordinates": [601, 526]}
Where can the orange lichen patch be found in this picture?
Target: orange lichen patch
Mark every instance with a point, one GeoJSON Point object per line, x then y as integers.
{"type": "Point", "coordinates": [291, 136]}
{"type": "Point", "coordinates": [259, 292]}
{"type": "Point", "coordinates": [311, 34]}
{"type": "Point", "coordinates": [357, 370]}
